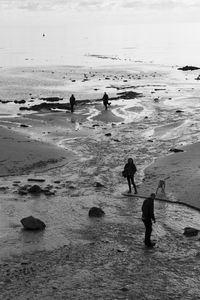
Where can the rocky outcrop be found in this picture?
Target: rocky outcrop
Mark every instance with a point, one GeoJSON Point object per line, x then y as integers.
{"type": "Point", "coordinates": [96, 212]}
{"type": "Point", "coordinates": [35, 189]}
{"type": "Point", "coordinates": [31, 223]}
{"type": "Point", "coordinates": [190, 231]}
{"type": "Point", "coordinates": [51, 99]}
{"type": "Point", "coordinates": [188, 68]}
{"type": "Point", "coordinates": [175, 150]}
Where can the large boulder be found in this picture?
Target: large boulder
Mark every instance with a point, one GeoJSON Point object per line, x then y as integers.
{"type": "Point", "coordinates": [96, 212]}
{"type": "Point", "coordinates": [35, 189]}
{"type": "Point", "coordinates": [31, 223]}
{"type": "Point", "coordinates": [190, 231]}
{"type": "Point", "coordinates": [188, 68]}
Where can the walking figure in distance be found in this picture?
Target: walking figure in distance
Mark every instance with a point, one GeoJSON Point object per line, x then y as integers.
{"type": "Point", "coordinates": [72, 101]}
{"type": "Point", "coordinates": [129, 172]}
{"type": "Point", "coordinates": [105, 100]}
{"type": "Point", "coordinates": [147, 217]}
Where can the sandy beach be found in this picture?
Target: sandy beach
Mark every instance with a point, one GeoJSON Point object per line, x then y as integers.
{"type": "Point", "coordinates": [153, 109]}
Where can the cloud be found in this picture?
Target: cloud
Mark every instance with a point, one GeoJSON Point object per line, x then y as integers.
{"type": "Point", "coordinates": [98, 4]}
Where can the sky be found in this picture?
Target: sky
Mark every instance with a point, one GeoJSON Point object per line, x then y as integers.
{"type": "Point", "coordinates": [98, 11]}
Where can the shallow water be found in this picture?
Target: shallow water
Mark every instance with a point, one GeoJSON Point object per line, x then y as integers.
{"type": "Point", "coordinates": [101, 158]}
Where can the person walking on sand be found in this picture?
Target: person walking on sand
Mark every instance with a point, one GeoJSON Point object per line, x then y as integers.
{"type": "Point", "coordinates": [147, 217]}
{"type": "Point", "coordinates": [72, 101]}
{"type": "Point", "coordinates": [105, 100]}
{"type": "Point", "coordinates": [129, 172]}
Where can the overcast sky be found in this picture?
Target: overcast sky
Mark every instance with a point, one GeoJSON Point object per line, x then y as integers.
{"type": "Point", "coordinates": [113, 10]}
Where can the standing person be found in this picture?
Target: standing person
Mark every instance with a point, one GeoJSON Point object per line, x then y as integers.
{"type": "Point", "coordinates": [72, 101]}
{"type": "Point", "coordinates": [147, 217]}
{"type": "Point", "coordinates": [129, 172]}
{"type": "Point", "coordinates": [105, 100]}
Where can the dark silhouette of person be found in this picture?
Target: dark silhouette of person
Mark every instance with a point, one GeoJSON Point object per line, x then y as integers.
{"type": "Point", "coordinates": [105, 100]}
{"type": "Point", "coordinates": [147, 217]}
{"type": "Point", "coordinates": [72, 101]}
{"type": "Point", "coordinates": [129, 172]}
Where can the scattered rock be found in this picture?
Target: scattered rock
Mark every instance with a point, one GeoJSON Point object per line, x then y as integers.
{"type": "Point", "coordinates": [57, 181]}
{"type": "Point", "coordinates": [124, 289]}
{"type": "Point", "coordinates": [189, 231]}
{"type": "Point", "coordinates": [51, 99]}
{"type": "Point", "coordinates": [175, 150]}
{"type": "Point", "coordinates": [116, 140]}
{"type": "Point", "coordinates": [188, 68]}
{"type": "Point", "coordinates": [96, 212]}
{"type": "Point", "coordinates": [36, 179]}
{"type": "Point", "coordinates": [19, 101]}
{"type": "Point", "coordinates": [31, 223]}
{"type": "Point", "coordinates": [23, 125]}
{"type": "Point", "coordinates": [22, 191]}
{"type": "Point", "coordinates": [98, 184]}
{"type": "Point", "coordinates": [198, 78]}
{"type": "Point", "coordinates": [108, 134]}
{"type": "Point", "coordinates": [35, 189]}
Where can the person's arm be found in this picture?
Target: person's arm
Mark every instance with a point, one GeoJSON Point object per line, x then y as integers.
{"type": "Point", "coordinates": [152, 211]}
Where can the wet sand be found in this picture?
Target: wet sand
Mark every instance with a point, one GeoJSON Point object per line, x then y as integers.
{"type": "Point", "coordinates": [76, 257]}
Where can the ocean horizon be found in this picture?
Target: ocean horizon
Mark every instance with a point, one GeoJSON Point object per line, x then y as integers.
{"type": "Point", "coordinates": [165, 44]}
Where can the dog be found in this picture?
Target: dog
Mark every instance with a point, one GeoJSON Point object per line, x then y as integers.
{"type": "Point", "coordinates": [161, 185]}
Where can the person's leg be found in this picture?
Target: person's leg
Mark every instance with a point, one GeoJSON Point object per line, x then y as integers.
{"type": "Point", "coordinates": [133, 183]}
{"type": "Point", "coordinates": [148, 231]}
{"type": "Point", "coordinates": [129, 183]}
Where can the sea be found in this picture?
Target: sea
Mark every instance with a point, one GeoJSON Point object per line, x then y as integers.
{"type": "Point", "coordinates": [168, 44]}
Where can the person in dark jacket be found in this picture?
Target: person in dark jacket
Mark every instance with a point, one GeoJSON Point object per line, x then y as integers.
{"type": "Point", "coordinates": [72, 101]}
{"type": "Point", "coordinates": [105, 100]}
{"type": "Point", "coordinates": [147, 217]}
{"type": "Point", "coordinates": [129, 172]}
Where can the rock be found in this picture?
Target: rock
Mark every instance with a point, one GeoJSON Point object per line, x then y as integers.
{"type": "Point", "coordinates": [124, 289]}
{"type": "Point", "coordinates": [31, 223]}
{"type": "Point", "coordinates": [23, 125]}
{"type": "Point", "coordinates": [51, 99]}
{"type": "Point", "coordinates": [22, 191]}
{"type": "Point", "coordinates": [189, 231]}
{"type": "Point", "coordinates": [96, 212]}
{"type": "Point", "coordinates": [175, 150]}
{"type": "Point", "coordinates": [145, 117]}
{"type": "Point", "coordinates": [198, 78]}
{"type": "Point", "coordinates": [116, 140]}
{"type": "Point", "coordinates": [98, 184]}
{"type": "Point", "coordinates": [179, 111]}
{"type": "Point", "coordinates": [188, 68]}
{"type": "Point", "coordinates": [108, 134]}
{"type": "Point", "coordinates": [48, 193]}
{"type": "Point", "coordinates": [57, 181]}
{"type": "Point", "coordinates": [36, 179]}
{"type": "Point", "coordinates": [20, 101]}
{"type": "Point", "coordinates": [35, 189]}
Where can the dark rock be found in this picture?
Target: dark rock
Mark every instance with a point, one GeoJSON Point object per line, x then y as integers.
{"type": "Point", "coordinates": [145, 117]}
{"type": "Point", "coordinates": [95, 125]}
{"type": "Point", "coordinates": [20, 101]}
{"type": "Point", "coordinates": [179, 111]}
{"type": "Point", "coordinates": [57, 181]}
{"type": "Point", "coordinates": [175, 150]}
{"type": "Point", "coordinates": [31, 223]}
{"type": "Point", "coordinates": [22, 191]}
{"type": "Point", "coordinates": [116, 140]}
{"type": "Point", "coordinates": [51, 99]}
{"type": "Point", "coordinates": [24, 108]}
{"type": "Point", "coordinates": [23, 125]}
{"type": "Point", "coordinates": [127, 95]}
{"type": "Point", "coordinates": [151, 141]}
{"type": "Point", "coordinates": [188, 68]}
{"type": "Point", "coordinates": [96, 212]}
{"type": "Point", "coordinates": [48, 193]}
{"type": "Point", "coordinates": [35, 189]}
{"type": "Point", "coordinates": [98, 184]}
{"type": "Point", "coordinates": [36, 179]}
{"type": "Point", "coordinates": [124, 289]}
{"type": "Point", "coordinates": [198, 78]}
{"type": "Point", "coordinates": [189, 231]}
{"type": "Point", "coordinates": [108, 134]}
